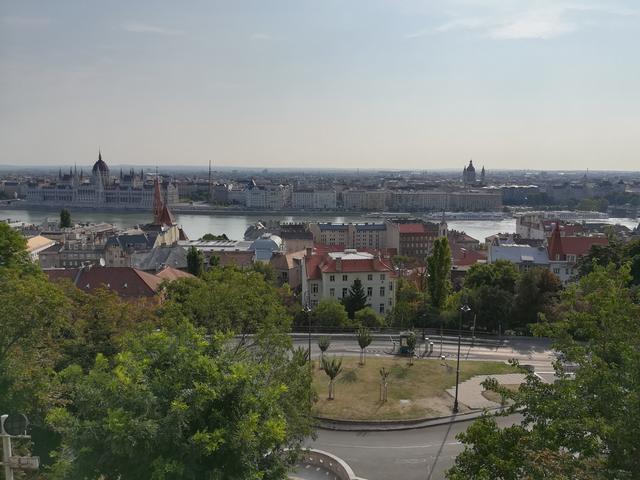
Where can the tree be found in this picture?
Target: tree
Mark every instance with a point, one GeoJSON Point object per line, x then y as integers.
{"type": "Point", "coordinates": [32, 319]}
{"type": "Point", "coordinates": [324, 343]}
{"type": "Point", "coordinates": [332, 367]}
{"type": "Point", "coordinates": [329, 313]}
{"type": "Point", "coordinates": [210, 237]}
{"type": "Point", "coordinates": [439, 268]}
{"type": "Point", "coordinates": [65, 218]}
{"type": "Point", "coordinates": [412, 340]}
{"type": "Point", "coordinates": [501, 274]}
{"type": "Point", "coordinates": [536, 293]}
{"type": "Point", "coordinates": [384, 385]}
{"type": "Point", "coordinates": [12, 247]}
{"type": "Point", "coordinates": [580, 426]}
{"type": "Point", "coordinates": [368, 317]}
{"type": "Point", "coordinates": [364, 340]}
{"type": "Point", "coordinates": [356, 299]}
{"type": "Point", "coordinates": [175, 404]}
{"type": "Point", "coordinates": [409, 301]}
{"type": "Point", "coordinates": [227, 300]}
{"type": "Point", "coordinates": [490, 290]}
{"type": "Point", "coordinates": [195, 261]}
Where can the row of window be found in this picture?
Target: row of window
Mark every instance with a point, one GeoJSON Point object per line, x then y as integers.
{"type": "Point", "coordinates": [345, 278]}
{"type": "Point", "coordinates": [345, 291]}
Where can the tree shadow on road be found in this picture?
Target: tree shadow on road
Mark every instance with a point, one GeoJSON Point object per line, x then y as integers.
{"type": "Point", "coordinates": [431, 468]}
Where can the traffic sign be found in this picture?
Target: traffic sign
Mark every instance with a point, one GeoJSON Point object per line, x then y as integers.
{"type": "Point", "coordinates": [15, 424]}
{"type": "Point", "coordinates": [24, 463]}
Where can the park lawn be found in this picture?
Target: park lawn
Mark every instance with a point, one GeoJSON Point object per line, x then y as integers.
{"type": "Point", "coordinates": [415, 391]}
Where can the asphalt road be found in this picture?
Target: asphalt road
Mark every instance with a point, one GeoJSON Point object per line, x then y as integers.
{"type": "Point", "coordinates": [422, 454]}
{"type": "Point", "coordinates": [533, 352]}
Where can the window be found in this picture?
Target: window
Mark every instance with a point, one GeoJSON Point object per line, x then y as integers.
{"type": "Point", "coordinates": [369, 291]}
{"type": "Point", "coordinates": [332, 278]}
{"type": "Point", "coordinates": [382, 308]}
{"type": "Point", "coordinates": [345, 278]}
{"type": "Point", "coordinates": [391, 286]}
{"type": "Point", "coordinates": [382, 276]}
{"type": "Point", "coordinates": [390, 302]}
{"type": "Point", "coordinates": [314, 288]}
{"type": "Point", "coordinates": [556, 271]}
{"type": "Point", "coordinates": [382, 291]}
{"type": "Point", "coordinates": [370, 277]}
{"type": "Point", "coordinates": [344, 292]}
{"type": "Point", "coordinates": [332, 292]}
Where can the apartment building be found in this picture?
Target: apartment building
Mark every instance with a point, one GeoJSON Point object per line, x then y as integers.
{"type": "Point", "coordinates": [331, 275]}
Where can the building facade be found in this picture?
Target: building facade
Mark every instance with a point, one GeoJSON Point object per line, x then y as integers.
{"type": "Point", "coordinates": [100, 190]}
{"type": "Point", "coordinates": [331, 275]}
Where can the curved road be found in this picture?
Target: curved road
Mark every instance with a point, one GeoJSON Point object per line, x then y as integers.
{"type": "Point", "coordinates": [424, 453]}
{"type": "Point", "coordinates": [419, 454]}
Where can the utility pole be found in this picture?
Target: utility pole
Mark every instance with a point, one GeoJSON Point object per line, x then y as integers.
{"type": "Point", "coordinates": [463, 309]}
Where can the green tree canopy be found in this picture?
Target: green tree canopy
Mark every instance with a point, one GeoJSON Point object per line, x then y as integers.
{"type": "Point", "coordinates": [176, 405]}
{"type": "Point", "coordinates": [210, 237]}
{"type": "Point", "coordinates": [12, 247]}
{"type": "Point", "coordinates": [501, 274]}
{"type": "Point", "coordinates": [65, 218]}
{"type": "Point", "coordinates": [368, 317]}
{"type": "Point", "coordinates": [329, 313]}
{"type": "Point", "coordinates": [228, 299]}
{"type": "Point", "coordinates": [581, 426]}
{"type": "Point", "coordinates": [195, 261]}
{"type": "Point", "coordinates": [439, 269]}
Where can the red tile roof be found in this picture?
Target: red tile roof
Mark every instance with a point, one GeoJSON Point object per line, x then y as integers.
{"type": "Point", "coordinates": [466, 256]}
{"type": "Point", "coordinates": [170, 273]}
{"type": "Point", "coordinates": [127, 282]}
{"type": "Point", "coordinates": [318, 264]}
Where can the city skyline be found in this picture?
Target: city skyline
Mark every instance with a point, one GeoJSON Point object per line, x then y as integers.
{"type": "Point", "coordinates": [372, 85]}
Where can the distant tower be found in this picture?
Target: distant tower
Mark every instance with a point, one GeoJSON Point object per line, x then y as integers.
{"type": "Point", "coordinates": [100, 172]}
{"type": "Point", "coordinates": [469, 174]}
{"type": "Point", "coordinates": [209, 189]}
{"type": "Point", "coordinates": [482, 175]}
{"type": "Point", "coordinates": [157, 202]}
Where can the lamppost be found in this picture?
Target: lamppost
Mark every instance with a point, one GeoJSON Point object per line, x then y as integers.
{"type": "Point", "coordinates": [463, 309]}
{"type": "Point", "coordinates": [307, 311]}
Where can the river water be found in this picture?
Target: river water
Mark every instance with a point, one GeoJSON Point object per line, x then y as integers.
{"type": "Point", "coordinates": [234, 226]}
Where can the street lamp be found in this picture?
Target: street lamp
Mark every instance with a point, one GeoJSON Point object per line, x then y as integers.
{"type": "Point", "coordinates": [307, 311]}
{"type": "Point", "coordinates": [463, 309]}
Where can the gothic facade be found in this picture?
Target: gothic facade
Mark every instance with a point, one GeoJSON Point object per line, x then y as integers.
{"type": "Point", "coordinates": [100, 189]}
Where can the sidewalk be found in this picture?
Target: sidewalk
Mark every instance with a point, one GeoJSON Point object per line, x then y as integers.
{"type": "Point", "coordinates": [470, 392]}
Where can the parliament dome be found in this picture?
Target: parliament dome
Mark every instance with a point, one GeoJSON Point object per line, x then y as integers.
{"type": "Point", "coordinates": [100, 165]}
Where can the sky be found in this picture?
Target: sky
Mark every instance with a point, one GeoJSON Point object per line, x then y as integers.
{"type": "Point", "coordinates": [402, 84]}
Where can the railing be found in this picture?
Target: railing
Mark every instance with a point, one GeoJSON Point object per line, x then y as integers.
{"type": "Point", "coordinates": [332, 464]}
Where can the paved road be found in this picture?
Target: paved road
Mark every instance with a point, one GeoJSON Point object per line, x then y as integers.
{"type": "Point", "coordinates": [526, 351]}
{"type": "Point", "coordinates": [422, 454]}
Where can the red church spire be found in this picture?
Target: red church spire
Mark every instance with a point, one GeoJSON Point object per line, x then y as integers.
{"type": "Point", "coordinates": [157, 203]}
{"type": "Point", "coordinates": [555, 244]}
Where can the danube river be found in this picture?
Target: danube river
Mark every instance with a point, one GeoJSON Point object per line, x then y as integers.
{"type": "Point", "coordinates": [234, 226]}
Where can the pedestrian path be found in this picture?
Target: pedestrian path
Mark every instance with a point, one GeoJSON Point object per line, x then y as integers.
{"type": "Point", "coordinates": [470, 391]}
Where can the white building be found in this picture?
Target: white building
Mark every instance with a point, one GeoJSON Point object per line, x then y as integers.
{"type": "Point", "coordinates": [313, 200]}
{"type": "Point", "coordinates": [331, 275]}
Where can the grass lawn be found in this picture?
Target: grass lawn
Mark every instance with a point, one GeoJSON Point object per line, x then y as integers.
{"type": "Point", "coordinates": [495, 396]}
{"type": "Point", "coordinates": [415, 391]}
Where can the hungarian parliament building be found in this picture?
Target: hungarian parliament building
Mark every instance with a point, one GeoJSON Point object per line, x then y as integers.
{"type": "Point", "coordinates": [101, 189]}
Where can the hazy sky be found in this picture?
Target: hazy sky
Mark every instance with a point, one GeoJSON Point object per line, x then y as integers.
{"type": "Point", "coordinates": [427, 84]}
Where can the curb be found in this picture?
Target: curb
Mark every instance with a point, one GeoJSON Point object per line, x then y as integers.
{"type": "Point", "coordinates": [395, 425]}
